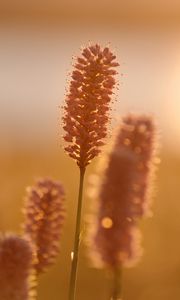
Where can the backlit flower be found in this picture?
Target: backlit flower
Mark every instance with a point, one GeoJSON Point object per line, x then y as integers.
{"type": "Point", "coordinates": [86, 112]}
{"type": "Point", "coordinates": [16, 258]}
{"type": "Point", "coordinates": [123, 194]}
{"type": "Point", "coordinates": [44, 218]}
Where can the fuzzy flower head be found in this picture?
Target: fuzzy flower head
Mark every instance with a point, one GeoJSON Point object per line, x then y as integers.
{"type": "Point", "coordinates": [44, 218]}
{"type": "Point", "coordinates": [16, 258]}
{"type": "Point", "coordinates": [88, 103]}
{"type": "Point", "coordinates": [123, 194]}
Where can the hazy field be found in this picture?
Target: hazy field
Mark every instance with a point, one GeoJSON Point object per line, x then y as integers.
{"type": "Point", "coordinates": [156, 277]}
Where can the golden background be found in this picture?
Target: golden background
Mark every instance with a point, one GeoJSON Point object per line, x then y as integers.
{"type": "Point", "coordinates": [37, 42]}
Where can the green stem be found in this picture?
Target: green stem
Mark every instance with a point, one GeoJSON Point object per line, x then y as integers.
{"type": "Point", "coordinates": [72, 284]}
{"type": "Point", "coordinates": [116, 287]}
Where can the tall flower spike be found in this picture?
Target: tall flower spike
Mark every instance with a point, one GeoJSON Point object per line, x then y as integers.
{"type": "Point", "coordinates": [123, 194]}
{"type": "Point", "coordinates": [88, 102]}
{"type": "Point", "coordinates": [44, 218]}
{"type": "Point", "coordinates": [15, 268]}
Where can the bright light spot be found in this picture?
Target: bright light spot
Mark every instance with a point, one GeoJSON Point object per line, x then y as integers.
{"type": "Point", "coordinates": [72, 255]}
{"type": "Point", "coordinates": [127, 142]}
{"type": "Point", "coordinates": [107, 222]}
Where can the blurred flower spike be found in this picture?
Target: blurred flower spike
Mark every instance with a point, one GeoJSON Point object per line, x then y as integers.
{"type": "Point", "coordinates": [16, 257]}
{"type": "Point", "coordinates": [88, 103]}
{"type": "Point", "coordinates": [123, 194]}
{"type": "Point", "coordinates": [44, 218]}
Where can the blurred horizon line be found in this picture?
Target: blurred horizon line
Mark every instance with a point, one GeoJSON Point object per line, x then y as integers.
{"type": "Point", "coordinates": [134, 13]}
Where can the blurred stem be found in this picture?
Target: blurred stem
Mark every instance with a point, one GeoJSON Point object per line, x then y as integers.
{"type": "Point", "coordinates": [116, 292]}
{"type": "Point", "coordinates": [75, 253]}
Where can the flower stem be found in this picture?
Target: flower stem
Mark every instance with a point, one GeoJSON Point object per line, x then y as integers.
{"type": "Point", "coordinates": [75, 253]}
{"type": "Point", "coordinates": [116, 286]}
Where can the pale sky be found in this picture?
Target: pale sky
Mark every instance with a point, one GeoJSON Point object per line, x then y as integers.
{"type": "Point", "coordinates": [35, 60]}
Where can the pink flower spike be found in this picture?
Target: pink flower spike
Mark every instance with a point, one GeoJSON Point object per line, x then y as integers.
{"type": "Point", "coordinates": [44, 219]}
{"type": "Point", "coordinates": [123, 194]}
{"type": "Point", "coordinates": [86, 112]}
{"type": "Point", "coordinates": [16, 258]}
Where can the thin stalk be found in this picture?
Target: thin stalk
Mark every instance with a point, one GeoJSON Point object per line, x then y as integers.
{"type": "Point", "coordinates": [75, 253]}
{"type": "Point", "coordinates": [116, 292]}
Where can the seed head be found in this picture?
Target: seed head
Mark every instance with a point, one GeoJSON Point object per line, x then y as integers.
{"type": "Point", "coordinates": [88, 103]}
{"type": "Point", "coordinates": [16, 258]}
{"type": "Point", "coordinates": [44, 218]}
{"type": "Point", "coordinates": [123, 194]}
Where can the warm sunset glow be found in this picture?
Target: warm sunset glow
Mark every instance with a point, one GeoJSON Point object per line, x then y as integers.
{"type": "Point", "coordinates": [38, 40]}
